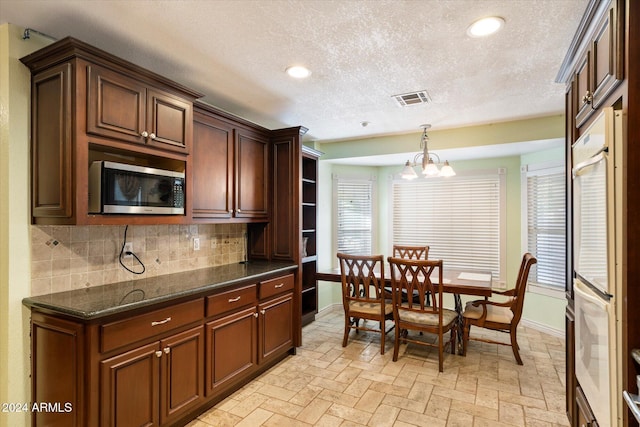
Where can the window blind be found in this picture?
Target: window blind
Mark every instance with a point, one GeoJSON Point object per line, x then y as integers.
{"type": "Point", "coordinates": [354, 216]}
{"type": "Point", "coordinates": [546, 227]}
{"type": "Point", "coordinates": [460, 218]}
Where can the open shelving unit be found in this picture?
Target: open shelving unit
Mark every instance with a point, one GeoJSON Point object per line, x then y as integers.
{"type": "Point", "coordinates": [309, 259]}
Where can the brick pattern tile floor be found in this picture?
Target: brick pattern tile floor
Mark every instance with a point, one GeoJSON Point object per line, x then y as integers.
{"type": "Point", "coordinates": [325, 384]}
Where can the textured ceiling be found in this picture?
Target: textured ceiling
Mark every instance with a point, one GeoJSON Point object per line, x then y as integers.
{"type": "Point", "coordinates": [360, 53]}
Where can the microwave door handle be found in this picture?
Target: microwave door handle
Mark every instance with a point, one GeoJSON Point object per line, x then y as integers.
{"type": "Point", "coordinates": [590, 162]}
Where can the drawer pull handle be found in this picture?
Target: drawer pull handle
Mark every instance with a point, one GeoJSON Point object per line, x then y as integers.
{"type": "Point", "coordinates": [236, 299]}
{"type": "Point", "coordinates": [279, 286]}
{"type": "Point", "coordinates": [161, 322]}
{"type": "Point", "coordinates": [167, 350]}
{"type": "Point", "coordinates": [158, 353]}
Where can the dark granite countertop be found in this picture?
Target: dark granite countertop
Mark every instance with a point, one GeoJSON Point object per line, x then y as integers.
{"type": "Point", "coordinates": [100, 301]}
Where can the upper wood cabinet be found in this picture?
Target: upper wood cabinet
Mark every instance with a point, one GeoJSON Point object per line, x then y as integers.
{"type": "Point", "coordinates": [230, 165]}
{"type": "Point", "coordinates": [600, 67]}
{"type": "Point", "coordinates": [90, 105]}
{"type": "Point", "coordinates": [124, 108]}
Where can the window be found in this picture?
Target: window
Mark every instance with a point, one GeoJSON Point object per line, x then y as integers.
{"type": "Point", "coordinates": [354, 216]}
{"type": "Point", "coordinates": [544, 226]}
{"type": "Point", "coordinates": [461, 218]}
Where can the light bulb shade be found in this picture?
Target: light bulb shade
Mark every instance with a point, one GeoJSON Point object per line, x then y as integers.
{"type": "Point", "coordinates": [408, 172]}
{"type": "Point", "coordinates": [447, 170]}
{"type": "Point", "coordinates": [431, 169]}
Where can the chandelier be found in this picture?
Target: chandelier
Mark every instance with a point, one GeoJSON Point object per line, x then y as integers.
{"type": "Point", "coordinates": [430, 161]}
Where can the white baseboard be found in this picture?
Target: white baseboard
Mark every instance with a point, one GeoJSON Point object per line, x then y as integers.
{"type": "Point", "coordinates": [559, 333]}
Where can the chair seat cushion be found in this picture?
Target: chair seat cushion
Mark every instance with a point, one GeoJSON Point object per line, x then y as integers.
{"type": "Point", "coordinates": [427, 319]}
{"type": "Point", "coordinates": [369, 307]}
{"type": "Point", "coordinates": [494, 314]}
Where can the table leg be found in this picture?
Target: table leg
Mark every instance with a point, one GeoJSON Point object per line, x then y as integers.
{"type": "Point", "coordinates": [458, 305]}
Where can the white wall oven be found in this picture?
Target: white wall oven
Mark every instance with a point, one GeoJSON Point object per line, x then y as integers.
{"type": "Point", "coordinates": [596, 248]}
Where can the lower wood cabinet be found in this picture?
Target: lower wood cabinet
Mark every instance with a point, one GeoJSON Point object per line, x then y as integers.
{"type": "Point", "coordinates": [275, 326]}
{"type": "Point", "coordinates": [245, 338]}
{"type": "Point", "coordinates": [161, 367]}
{"type": "Point", "coordinates": [231, 348]}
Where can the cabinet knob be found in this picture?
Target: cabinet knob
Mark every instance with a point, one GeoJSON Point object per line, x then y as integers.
{"type": "Point", "coordinates": [152, 135]}
{"type": "Point", "coordinates": [239, 211]}
{"type": "Point", "coordinates": [158, 353]}
{"type": "Point", "coordinates": [587, 98]}
{"type": "Point", "coordinates": [263, 312]}
{"type": "Point", "coordinates": [255, 315]}
{"type": "Point", "coordinates": [144, 134]}
{"type": "Point", "coordinates": [167, 350]}
{"type": "Point", "coordinates": [231, 211]}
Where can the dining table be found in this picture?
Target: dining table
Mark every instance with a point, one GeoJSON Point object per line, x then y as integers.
{"type": "Point", "coordinates": [456, 281]}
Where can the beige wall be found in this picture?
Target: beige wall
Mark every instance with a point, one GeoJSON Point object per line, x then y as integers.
{"type": "Point", "coordinates": [15, 256]}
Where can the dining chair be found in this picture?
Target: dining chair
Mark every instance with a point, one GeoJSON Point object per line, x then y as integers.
{"type": "Point", "coordinates": [411, 252]}
{"type": "Point", "coordinates": [499, 316]}
{"type": "Point", "coordinates": [410, 276]}
{"type": "Point", "coordinates": [363, 295]}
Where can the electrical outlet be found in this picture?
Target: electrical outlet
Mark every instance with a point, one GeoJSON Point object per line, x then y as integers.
{"type": "Point", "coordinates": [128, 247]}
{"type": "Point", "coordinates": [196, 243]}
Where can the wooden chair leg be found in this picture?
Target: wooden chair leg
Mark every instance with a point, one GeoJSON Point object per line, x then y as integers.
{"type": "Point", "coordinates": [396, 343]}
{"type": "Point", "coordinates": [514, 345]}
{"type": "Point", "coordinates": [465, 337]}
{"type": "Point", "coordinates": [441, 353]}
{"type": "Point", "coordinates": [347, 328]}
{"type": "Point", "coordinates": [382, 338]}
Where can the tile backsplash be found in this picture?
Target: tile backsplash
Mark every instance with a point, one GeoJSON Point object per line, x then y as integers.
{"type": "Point", "coordinates": [73, 257]}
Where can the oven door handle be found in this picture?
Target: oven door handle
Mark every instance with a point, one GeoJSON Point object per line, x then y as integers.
{"type": "Point", "coordinates": [590, 162]}
{"type": "Point", "coordinates": [585, 293]}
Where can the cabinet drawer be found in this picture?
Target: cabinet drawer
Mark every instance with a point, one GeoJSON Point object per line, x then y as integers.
{"type": "Point", "coordinates": [231, 300]}
{"type": "Point", "coordinates": [276, 286]}
{"type": "Point", "coordinates": [123, 332]}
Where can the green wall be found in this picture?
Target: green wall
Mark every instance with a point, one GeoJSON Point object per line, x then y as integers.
{"type": "Point", "coordinates": [542, 311]}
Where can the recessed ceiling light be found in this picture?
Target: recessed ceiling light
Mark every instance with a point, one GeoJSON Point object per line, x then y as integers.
{"type": "Point", "coordinates": [485, 26]}
{"type": "Point", "coordinates": [298, 71]}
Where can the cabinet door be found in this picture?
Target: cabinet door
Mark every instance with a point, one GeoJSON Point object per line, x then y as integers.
{"type": "Point", "coordinates": [129, 388]}
{"type": "Point", "coordinates": [56, 370]}
{"type": "Point", "coordinates": [276, 326]}
{"type": "Point", "coordinates": [252, 177]}
{"type": "Point", "coordinates": [116, 105]}
{"type": "Point", "coordinates": [607, 71]}
{"type": "Point", "coordinates": [231, 348]}
{"type": "Point", "coordinates": [52, 143]}
{"type": "Point", "coordinates": [181, 374]}
{"type": "Point", "coordinates": [583, 94]}
{"type": "Point", "coordinates": [212, 162]}
{"type": "Point", "coordinates": [169, 121]}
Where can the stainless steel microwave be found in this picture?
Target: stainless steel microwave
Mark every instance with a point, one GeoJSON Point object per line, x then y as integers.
{"type": "Point", "coordinates": [117, 188]}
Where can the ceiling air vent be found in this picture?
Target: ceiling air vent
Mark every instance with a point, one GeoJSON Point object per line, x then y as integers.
{"type": "Point", "coordinates": [412, 98]}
